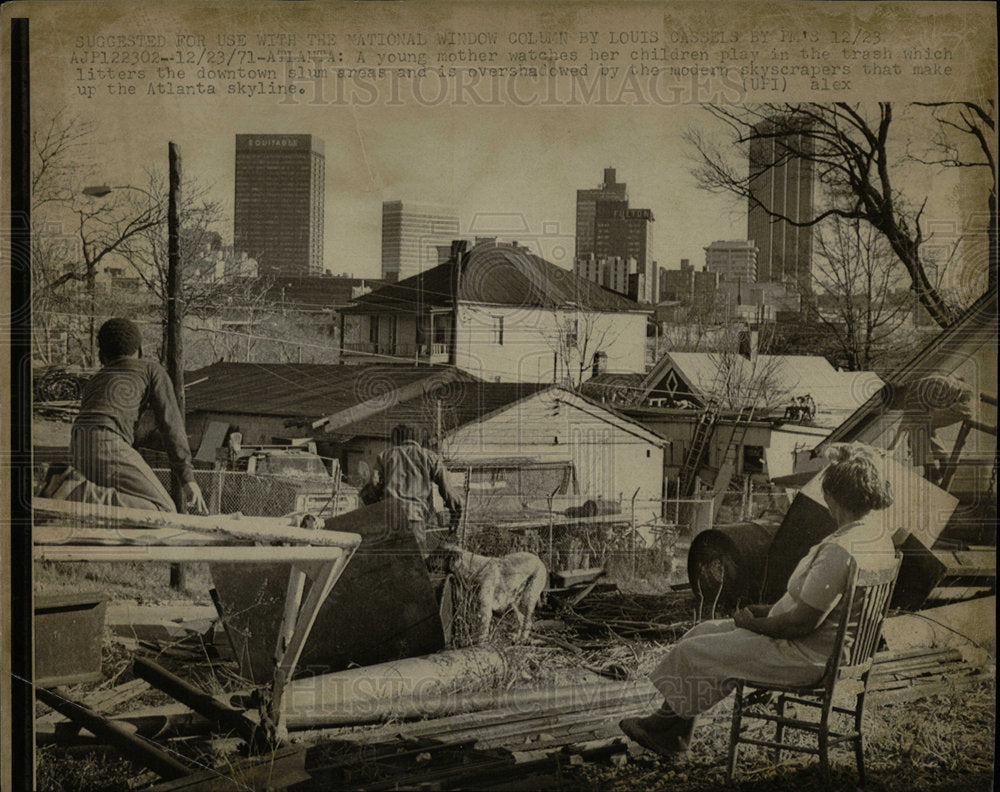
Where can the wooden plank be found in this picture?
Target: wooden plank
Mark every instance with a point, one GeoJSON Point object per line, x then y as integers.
{"type": "Point", "coordinates": [279, 770]}
{"type": "Point", "coordinates": [237, 526]}
{"type": "Point", "coordinates": [968, 563]}
{"type": "Point", "coordinates": [50, 534]}
{"type": "Point", "coordinates": [213, 437]}
{"type": "Point", "coordinates": [569, 577]}
{"type": "Point", "coordinates": [205, 705]}
{"type": "Point", "coordinates": [102, 699]}
{"type": "Point", "coordinates": [142, 751]}
{"type": "Point", "coordinates": [562, 704]}
{"type": "Point", "coordinates": [227, 553]}
{"type": "Point", "coordinates": [915, 692]}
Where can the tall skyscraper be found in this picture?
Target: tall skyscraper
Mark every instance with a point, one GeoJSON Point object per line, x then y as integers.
{"type": "Point", "coordinates": [586, 209]}
{"type": "Point", "coordinates": [411, 234]}
{"type": "Point", "coordinates": [607, 230]}
{"type": "Point", "coordinates": [783, 183]}
{"type": "Point", "coordinates": [279, 203]}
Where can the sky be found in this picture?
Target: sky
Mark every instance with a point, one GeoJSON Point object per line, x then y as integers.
{"type": "Point", "coordinates": [514, 167]}
{"type": "Point", "coordinates": [522, 184]}
{"type": "Point", "coordinates": [517, 167]}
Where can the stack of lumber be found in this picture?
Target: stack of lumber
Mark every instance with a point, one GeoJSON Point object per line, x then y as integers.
{"type": "Point", "coordinates": [898, 677]}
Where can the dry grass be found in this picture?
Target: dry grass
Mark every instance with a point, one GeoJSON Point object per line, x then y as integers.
{"type": "Point", "coordinates": [143, 583]}
{"type": "Point", "coordinates": [938, 744]}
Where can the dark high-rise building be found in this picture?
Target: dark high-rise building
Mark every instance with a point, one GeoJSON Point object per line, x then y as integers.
{"type": "Point", "coordinates": [607, 230]}
{"type": "Point", "coordinates": [279, 203]}
{"type": "Point", "coordinates": [784, 184]}
{"type": "Point", "coordinates": [586, 209]}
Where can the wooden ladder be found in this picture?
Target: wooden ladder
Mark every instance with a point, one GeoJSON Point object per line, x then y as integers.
{"type": "Point", "coordinates": [699, 446]}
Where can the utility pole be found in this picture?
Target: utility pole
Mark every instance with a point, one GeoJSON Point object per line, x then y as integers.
{"type": "Point", "coordinates": [175, 343]}
{"type": "Point", "coordinates": [458, 254]}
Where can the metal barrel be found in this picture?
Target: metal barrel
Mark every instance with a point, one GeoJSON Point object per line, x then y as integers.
{"type": "Point", "coordinates": [726, 563]}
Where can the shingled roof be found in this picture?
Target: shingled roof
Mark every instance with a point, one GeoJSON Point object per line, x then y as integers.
{"type": "Point", "coordinates": [495, 274]}
{"type": "Point", "coordinates": [305, 390]}
{"type": "Point", "coordinates": [460, 403]}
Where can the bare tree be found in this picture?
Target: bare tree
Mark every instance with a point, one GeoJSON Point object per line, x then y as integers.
{"type": "Point", "coordinates": [974, 146]}
{"type": "Point", "coordinates": [746, 381]}
{"type": "Point", "coordinates": [59, 158]}
{"type": "Point", "coordinates": [75, 231]}
{"type": "Point", "coordinates": [215, 280]}
{"type": "Point", "coordinates": [858, 300]}
{"type": "Point", "coordinates": [849, 149]}
{"type": "Point", "coordinates": [579, 338]}
{"type": "Point", "coordinates": [240, 322]}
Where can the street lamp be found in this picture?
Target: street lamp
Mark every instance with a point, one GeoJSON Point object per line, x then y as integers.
{"type": "Point", "coordinates": [97, 191]}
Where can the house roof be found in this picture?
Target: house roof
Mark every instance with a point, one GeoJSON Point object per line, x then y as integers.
{"type": "Point", "coordinates": [318, 291]}
{"type": "Point", "coordinates": [495, 274]}
{"type": "Point", "coordinates": [969, 329]}
{"type": "Point", "coordinates": [303, 390]}
{"type": "Point", "coordinates": [616, 388]}
{"type": "Point", "coordinates": [461, 403]}
{"type": "Point", "coordinates": [789, 376]}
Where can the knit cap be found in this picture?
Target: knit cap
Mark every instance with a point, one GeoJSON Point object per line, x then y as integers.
{"type": "Point", "coordinates": [117, 338]}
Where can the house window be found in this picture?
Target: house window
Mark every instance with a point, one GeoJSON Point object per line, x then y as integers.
{"type": "Point", "coordinates": [753, 459]}
{"type": "Point", "coordinates": [572, 332]}
{"type": "Point", "coordinates": [373, 329]}
{"type": "Point", "coordinates": [496, 335]}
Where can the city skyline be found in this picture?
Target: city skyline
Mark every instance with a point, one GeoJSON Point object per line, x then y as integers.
{"type": "Point", "coordinates": [512, 170]}
{"type": "Point", "coordinates": [543, 217]}
{"type": "Point", "coordinates": [526, 192]}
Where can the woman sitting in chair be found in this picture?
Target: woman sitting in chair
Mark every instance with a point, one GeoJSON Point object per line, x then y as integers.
{"type": "Point", "coordinates": [790, 642]}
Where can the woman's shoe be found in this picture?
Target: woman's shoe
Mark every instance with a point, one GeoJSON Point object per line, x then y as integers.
{"type": "Point", "coordinates": [666, 737]}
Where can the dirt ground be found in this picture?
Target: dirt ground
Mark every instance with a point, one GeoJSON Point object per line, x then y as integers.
{"type": "Point", "coordinates": [945, 742]}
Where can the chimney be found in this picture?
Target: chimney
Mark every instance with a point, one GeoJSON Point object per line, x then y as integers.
{"type": "Point", "coordinates": [600, 364]}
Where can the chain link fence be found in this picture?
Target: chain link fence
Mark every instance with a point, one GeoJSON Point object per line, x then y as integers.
{"type": "Point", "coordinates": [230, 491]}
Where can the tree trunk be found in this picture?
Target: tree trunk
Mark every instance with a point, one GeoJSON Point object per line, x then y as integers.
{"type": "Point", "coordinates": [929, 297]}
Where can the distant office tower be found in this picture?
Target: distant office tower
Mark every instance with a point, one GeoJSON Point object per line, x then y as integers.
{"type": "Point", "coordinates": [610, 272]}
{"type": "Point", "coordinates": [279, 202]}
{"type": "Point", "coordinates": [411, 235]}
{"type": "Point", "coordinates": [784, 184]}
{"type": "Point", "coordinates": [687, 286]}
{"type": "Point", "coordinates": [736, 260]}
{"type": "Point", "coordinates": [608, 230]}
{"type": "Point", "coordinates": [586, 209]}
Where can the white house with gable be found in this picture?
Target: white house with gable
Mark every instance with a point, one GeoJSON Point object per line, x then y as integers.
{"type": "Point", "coordinates": [502, 314]}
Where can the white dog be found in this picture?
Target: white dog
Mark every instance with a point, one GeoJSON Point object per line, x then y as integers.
{"type": "Point", "coordinates": [513, 581]}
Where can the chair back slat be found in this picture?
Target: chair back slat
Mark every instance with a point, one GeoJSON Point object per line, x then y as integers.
{"type": "Point", "coordinates": [868, 603]}
{"type": "Point", "coordinates": [871, 607]}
